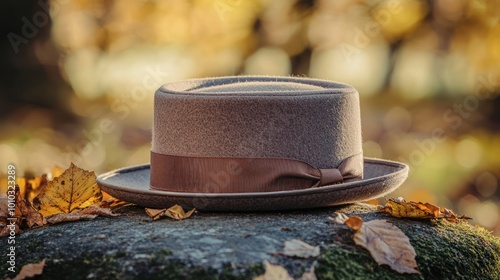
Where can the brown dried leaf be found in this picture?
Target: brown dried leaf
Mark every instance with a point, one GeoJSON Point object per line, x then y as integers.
{"type": "Point", "coordinates": [274, 272]}
{"type": "Point", "coordinates": [175, 212]}
{"type": "Point", "coordinates": [30, 270]}
{"type": "Point", "coordinates": [298, 248]}
{"type": "Point", "coordinates": [72, 191]}
{"type": "Point", "coordinates": [5, 229]}
{"type": "Point", "coordinates": [88, 213]}
{"type": "Point", "coordinates": [388, 245]}
{"type": "Point", "coordinates": [401, 208]}
{"type": "Point", "coordinates": [155, 213]}
{"type": "Point", "coordinates": [109, 201]}
{"type": "Point", "coordinates": [27, 212]}
{"type": "Point", "coordinates": [25, 215]}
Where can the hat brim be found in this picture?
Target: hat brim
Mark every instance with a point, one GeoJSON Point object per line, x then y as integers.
{"type": "Point", "coordinates": [131, 184]}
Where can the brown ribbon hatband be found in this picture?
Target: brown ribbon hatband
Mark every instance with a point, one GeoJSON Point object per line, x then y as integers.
{"type": "Point", "coordinates": [239, 175]}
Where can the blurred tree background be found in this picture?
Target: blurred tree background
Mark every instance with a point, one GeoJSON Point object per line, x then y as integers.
{"type": "Point", "coordinates": [78, 79]}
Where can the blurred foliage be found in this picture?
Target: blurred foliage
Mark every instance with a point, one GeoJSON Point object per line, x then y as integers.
{"type": "Point", "coordinates": [79, 85]}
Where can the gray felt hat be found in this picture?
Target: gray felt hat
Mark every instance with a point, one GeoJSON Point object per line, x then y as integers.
{"type": "Point", "coordinates": [251, 143]}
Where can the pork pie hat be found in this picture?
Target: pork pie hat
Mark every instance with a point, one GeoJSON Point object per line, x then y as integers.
{"type": "Point", "coordinates": [255, 143]}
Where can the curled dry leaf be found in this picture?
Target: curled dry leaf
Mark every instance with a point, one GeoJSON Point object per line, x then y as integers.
{"type": "Point", "coordinates": [155, 214]}
{"type": "Point", "coordinates": [88, 213]}
{"type": "Point", "coordinates": [298, 248]}
{"type": "Point", "coordinates": [30, 270]}
{"type": "Point", "coordinates": [175, 212]}
{"type": "Point", "coordinates": [109, 201]}
{"type": "Point", "coordinates": [25, 215]}
{"type": "Point", "coordinates": [75, 189]}
{"type": "Point", "coordinates": [401, 208]}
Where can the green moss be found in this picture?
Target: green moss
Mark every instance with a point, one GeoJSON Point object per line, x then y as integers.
{"type": "Point", "coordinates": [354, 263]}
{"type": "Point", "coordinates": [456, 251]}
{"type": "Point", "coordinates": [444, 251]}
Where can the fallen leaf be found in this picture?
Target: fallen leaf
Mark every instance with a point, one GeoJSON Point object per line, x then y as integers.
{"type": "Point", "coordinates": [5, 230]}
{"type": "Point", "coordinates": [74, 190]}
{"type": "Point", "coordinates": [354, 222]}
{"type": "Point", "coordinates": [386, 243]}
{"type": "Point", "coordinates": [401, 208]}
{"type": "Point", "coordinates": [298, 248]}
{"type": "Point", "coordinates": [27, 213]}
{"type": "Point", "coordinates": [175, 212]}
{"type": "Point", "coordinates": [155, 213]}
{"type": "Point", "coordinates": [88, 213]}
{"type": "Point", "coordinates": [111, 202]}
{"type": "Point", "coordinates": [30, 270]}
{"type": "Point", "coordinates": [274, 272]}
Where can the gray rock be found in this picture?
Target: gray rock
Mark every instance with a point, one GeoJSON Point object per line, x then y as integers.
{"type": "Point", "coordinates": [234, 245]}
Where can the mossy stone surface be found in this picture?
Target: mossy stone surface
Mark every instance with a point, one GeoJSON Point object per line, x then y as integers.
{"type": "Point", "coordinates": [234, 245]}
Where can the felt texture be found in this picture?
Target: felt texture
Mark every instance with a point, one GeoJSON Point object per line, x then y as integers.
{"type": "Point", "coordinates": [311, 120]}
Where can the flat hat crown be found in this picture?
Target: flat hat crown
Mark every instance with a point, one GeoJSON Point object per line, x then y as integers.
{"type": "Point", "coordinates": [305, 119]}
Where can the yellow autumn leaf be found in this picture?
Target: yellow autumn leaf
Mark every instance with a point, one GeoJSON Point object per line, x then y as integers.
{"type": "Point", "coordinates": [75, 189]}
